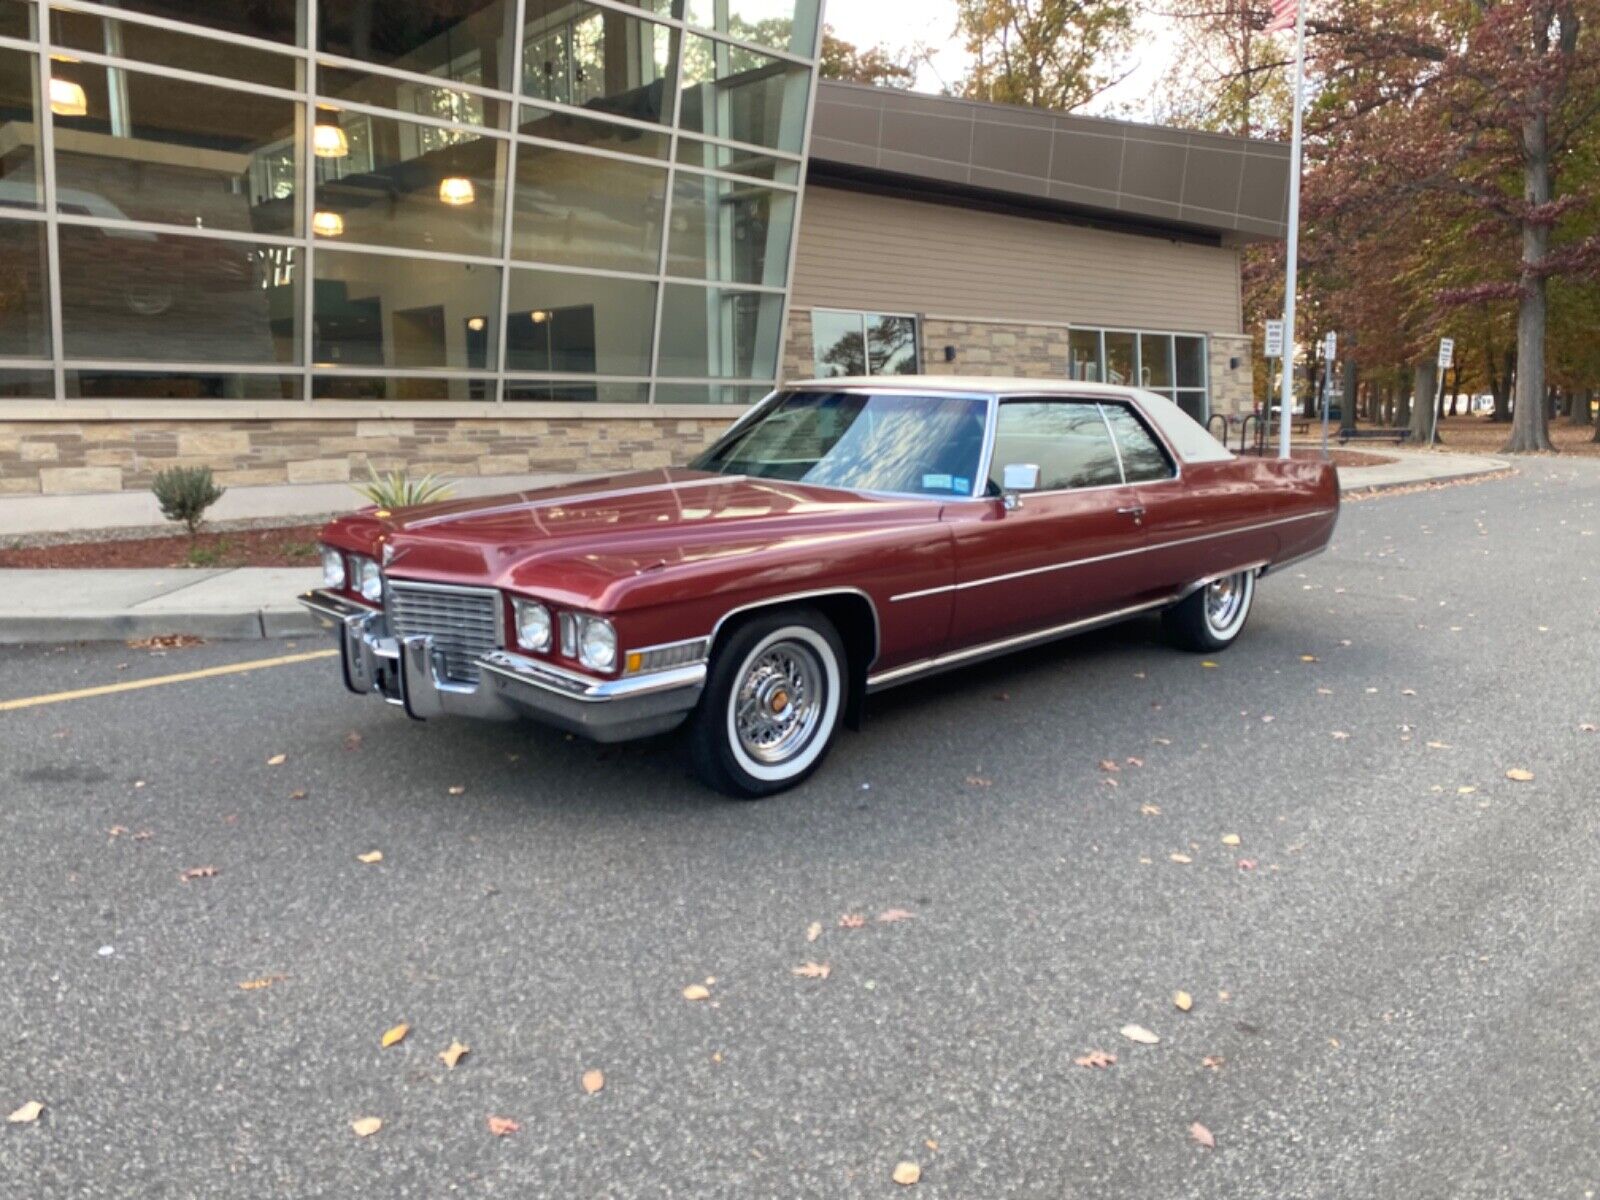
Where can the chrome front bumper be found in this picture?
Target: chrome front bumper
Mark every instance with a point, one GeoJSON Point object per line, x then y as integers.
{"type": "Point", "coordinates": [404, 672]}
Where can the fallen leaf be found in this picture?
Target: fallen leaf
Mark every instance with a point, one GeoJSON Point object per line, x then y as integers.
{"type": "Point", "coordinates": [453, 1054]}
{"type": "Point", "coordinates": [1150, 810]}
{"type": "Point", "coordinates": [27, 1114]}
{"type": "Point", "coordinates": [457, 789]}
{"type": "Point", "coordinates": [1109, 782]}
{"type": "Point", "coordinates": [1213, 1062]}
{"type": "Point", "coordinates": [930, 1143]}
{"type": "Point", "coordinates": [852, 921]}
{"type": "Point", "coordinates": [1466, 790]}
{"type": "Point", "coordinates": [1208, 664]}
{"type": "Point", "coordinates": [206, 873]}
{"type": "Point", "coordinates": [501, 1126]}
{"type": "Point", "coordinates": [813, 970]}
{"type": "Point", "coordinates": [298, 794]}
{"type": "Point", "coordinates": [1096, 1060]}
{"type": "Point", "coordinates": [1230, 839]}
{"type": "Point", "coordinates": [1107, 765]}
{"type": "Point", "coordinates": [696, 991]}
{"type": "Point", "coordinates": [266, 981]}
{"type": "Point", "coordinates": [890, 916]}
{"type": "Point", "coordinates": [813, 931]}
{"type": "Point", "coordinates": [1438, 745]}
{"type": "Point", "coordinates": [1202, 1136]}
{"type": "Point", "coordinates": [1589, 727]}
{"type": "Point", "coordinates": [1308, 658]}
{"type": "Point", "coordinates": [366, 1126]}
{"type": "Point", "coordinates": [1182, 1001]}
{"type": "Point", "coordinates": [1135, 762]}
{"type": "Point", "coordinates": [906, 1173]}
{"type": "Point", "coordinates": [1138, 1033]}
{"type": "Point", "coordinates": [1408, 691]}
{"type": "Point", "coordinates": [394, 1036]}
{"type": "Point", "coordinates": [979, 781]}
{"type": "Point", "coordinates": [1247, 864]}
{"type": "Point", "coordinates": [277, 760]}
{"type": "Point", "coordinates": [1340, 735]}
{"type": "Point", "coordinates": [1180, 859]}
{"type": "Point", "coordinates": [370, 857]}
{"type": "Point", "coordinates": [1519, 774]}
{"type": "Point", "coordinates": [352, 740]}
{"type": "Point", "coordinates": [593, 1081]}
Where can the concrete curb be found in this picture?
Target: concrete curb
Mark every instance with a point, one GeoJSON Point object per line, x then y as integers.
{"type": "Point", "coordinates": [124, 626]}
{"type": "Point", "coordinates": [1414, 470]}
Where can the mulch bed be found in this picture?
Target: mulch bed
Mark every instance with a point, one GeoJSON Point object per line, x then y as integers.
{"type": "Point", "coordinates": [1339, 458]}
{"type": "Point", "coordinates": [294, 546]}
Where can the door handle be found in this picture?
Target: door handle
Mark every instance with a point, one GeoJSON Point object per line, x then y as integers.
{"type": "Point", "coordinates": [1136, 511]}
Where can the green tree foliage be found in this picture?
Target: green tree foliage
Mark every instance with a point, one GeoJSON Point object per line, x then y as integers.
{"type": "Point", "coordinates": [1056, 54]}
{"type": "Point", "coordinates": [874, 65]}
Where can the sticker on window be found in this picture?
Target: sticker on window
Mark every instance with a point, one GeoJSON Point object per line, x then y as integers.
{"type": "Point", "coordinates": [936, 483]}
{"type": "Point", "coordinates": [960, 485]}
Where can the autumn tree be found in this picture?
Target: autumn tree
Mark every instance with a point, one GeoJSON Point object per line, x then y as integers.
{"type": "Point", "coordinates": [1226, 75]}
{"type": "Point", "coordinates": [874, 65]}
{"type": "Point", "coordinates": [1055, 54]}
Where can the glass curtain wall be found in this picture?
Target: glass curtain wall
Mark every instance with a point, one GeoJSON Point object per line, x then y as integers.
{"type": "Point", "coordinates": [568, 200]}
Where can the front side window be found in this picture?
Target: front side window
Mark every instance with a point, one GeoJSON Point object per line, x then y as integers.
{"type": "Point", "coordinates": [856, 343]}
{"type": "Point", "coordinates": [1143, 460]}
{"type": "Point", "coordinates": [1066, 439]}
{"type": "Point", "coordinates": [918, 445]}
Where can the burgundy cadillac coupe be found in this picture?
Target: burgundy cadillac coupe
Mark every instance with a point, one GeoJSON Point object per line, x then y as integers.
{"type": "Point", "coordinates": [844, 536]}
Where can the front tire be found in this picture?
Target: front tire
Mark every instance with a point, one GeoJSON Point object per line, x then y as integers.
{"type": "Point", "coordinates": [1213, 617]}
{"type": "Point", "coordinates": [772, 704]}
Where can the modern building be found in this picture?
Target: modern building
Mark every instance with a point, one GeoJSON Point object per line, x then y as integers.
{"type": "Point", "coordinates": [290, 238]}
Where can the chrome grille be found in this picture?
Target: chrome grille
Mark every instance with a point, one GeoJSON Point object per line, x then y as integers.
{"type": "Point", "coordinates": [463, 623]}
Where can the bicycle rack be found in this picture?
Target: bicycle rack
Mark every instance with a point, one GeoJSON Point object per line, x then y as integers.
{"type": "Point", "coordinates": [1244, 432]}
{"type": "Point", "coordinates": [1224, 419]}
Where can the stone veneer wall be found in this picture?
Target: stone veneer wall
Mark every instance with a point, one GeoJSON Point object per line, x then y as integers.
{"type": "Point", "coordinates": [1232, 388]}
{"type": "Point", "coordinates": [107, 456]}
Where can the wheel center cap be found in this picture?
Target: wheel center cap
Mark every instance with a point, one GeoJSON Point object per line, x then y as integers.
{"type": "Point", "coordinates": [779, 701]}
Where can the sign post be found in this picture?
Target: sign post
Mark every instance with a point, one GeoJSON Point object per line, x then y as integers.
{"type": "Point", "coordinates": [1330, 351]}
{"type": "Point", "coordinates": [1274, 350]}
{"type": "Point", "coordinates": [1447, 356]}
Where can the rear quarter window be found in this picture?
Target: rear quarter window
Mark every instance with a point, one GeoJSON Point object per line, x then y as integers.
{"type": "Point", "coordinates": [1183, 433]}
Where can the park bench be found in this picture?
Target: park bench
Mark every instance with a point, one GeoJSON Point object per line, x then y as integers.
{"type": "Point", "coordinates": [1374, 435]}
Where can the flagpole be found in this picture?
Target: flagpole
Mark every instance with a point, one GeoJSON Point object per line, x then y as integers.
{"type": "Point", "coordinates": [1294, 229]}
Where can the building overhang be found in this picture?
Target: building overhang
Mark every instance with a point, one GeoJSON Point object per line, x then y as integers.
{"type": "Point", "coordinates": [1098, 171]}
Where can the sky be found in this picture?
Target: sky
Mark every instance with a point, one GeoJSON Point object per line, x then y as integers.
{"type": "Point", "coordinates": [900, 23]}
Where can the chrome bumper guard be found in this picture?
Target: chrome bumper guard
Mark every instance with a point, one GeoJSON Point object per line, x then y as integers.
{"type": "Point", "coordinates": [404, 672]}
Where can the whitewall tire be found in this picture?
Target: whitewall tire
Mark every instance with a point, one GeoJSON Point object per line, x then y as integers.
{"type": "Point", "coordinates": [1212, 617]}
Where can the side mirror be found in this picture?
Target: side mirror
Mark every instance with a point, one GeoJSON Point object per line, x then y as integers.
{"type": "Point", "coordinates": [1016, 479]}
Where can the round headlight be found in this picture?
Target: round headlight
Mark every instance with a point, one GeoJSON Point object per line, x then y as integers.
{"type": "Point", "coordinates": [333, 575]}
{"type": "Point", "coordinates": [370, 581]}
{"type": "Point", "coordinates": [597, 644]}
{"type": "Point", "coordinates": [533, 624]}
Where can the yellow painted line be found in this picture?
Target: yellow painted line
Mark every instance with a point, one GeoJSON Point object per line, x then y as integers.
{"type": "Point", "coordinates": [133, 685]}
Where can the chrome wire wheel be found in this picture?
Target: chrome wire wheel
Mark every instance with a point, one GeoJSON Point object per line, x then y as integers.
{"type": "Point", "coordinates": [1227, 600]}
{"type": "Point", "coordinates": [779, 701]}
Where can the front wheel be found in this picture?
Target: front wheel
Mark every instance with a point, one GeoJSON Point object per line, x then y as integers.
{"type": "Point", "coordinates": [1212, 617]}
{"type": "Point", "coordinates": [771, 705]}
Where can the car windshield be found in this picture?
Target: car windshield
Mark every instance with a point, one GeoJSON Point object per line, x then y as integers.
{"type": "Point", "coordinates": [888, 442]}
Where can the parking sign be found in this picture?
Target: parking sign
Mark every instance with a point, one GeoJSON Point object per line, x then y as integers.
{"type": "Point", "coordinates": [1447, 353]}
{"type": "Point", "coordinates": [1274, 339]}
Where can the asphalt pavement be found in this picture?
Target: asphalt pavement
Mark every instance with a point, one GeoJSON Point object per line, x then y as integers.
{"type": "Point", "coordinates": [1392, 973]}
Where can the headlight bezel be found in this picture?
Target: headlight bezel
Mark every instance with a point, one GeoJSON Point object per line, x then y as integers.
{"type": "Point", "coordinates": [367, 572]}
{"type": "Point", "coordinates": [524, 607]}
{"type": "Point", "coordinates": [605, 662]}
{"type": "Point", "coordinates": [333, 557]}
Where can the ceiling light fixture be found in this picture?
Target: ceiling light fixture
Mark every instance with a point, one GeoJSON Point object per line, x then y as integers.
{"type": "Point", "coordinates": [67, 99]}
{"type": "Point", "coordinates": [456, 190]}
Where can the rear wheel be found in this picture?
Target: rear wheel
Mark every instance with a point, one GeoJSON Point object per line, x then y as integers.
{"type": "Point", "coordinates": [772, 704]}
{"type": "Point", "coordinates": [1214, 616]}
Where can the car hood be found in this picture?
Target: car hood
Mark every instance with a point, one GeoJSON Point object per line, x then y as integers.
{"type": "Point", "coordinates": [577, 542]}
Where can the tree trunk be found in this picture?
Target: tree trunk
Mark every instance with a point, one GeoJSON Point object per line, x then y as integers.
{"type": "Point", "coordinates": [1500, 385]}
{"type": "Point", "coordinates": [1580, 407]}
{"type": "Point", "coordinates": [1425, 384]}
{"type": "Point", "coordinates": [1402, 408]}
{"type": "Point", "coordinates": [1347, 402]}
{"type": "Point", "coordinates": [1530, 422]}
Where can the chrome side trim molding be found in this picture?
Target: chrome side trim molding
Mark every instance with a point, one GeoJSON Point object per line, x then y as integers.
{"type": "Point", "coordinates": [960, 658]}
{"type": "Point", "coordinates": [1084, 562]}
{"type": "Point", "coordinates": [1289, 562]}
{"type": "Point", "coordinates": [1258, 566]}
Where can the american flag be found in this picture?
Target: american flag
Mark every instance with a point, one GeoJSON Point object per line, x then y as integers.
{"type": "Point", "coordinates": [1284, 13]}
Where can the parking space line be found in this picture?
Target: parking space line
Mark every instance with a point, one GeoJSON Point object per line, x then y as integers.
{"type": "Point", "coordinates": [134, 685]}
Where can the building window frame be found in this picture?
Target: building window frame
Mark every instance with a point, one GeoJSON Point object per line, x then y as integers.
{"type": "Point", "coordinates": [1172, 392]}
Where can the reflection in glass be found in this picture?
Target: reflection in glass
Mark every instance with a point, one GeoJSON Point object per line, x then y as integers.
{"type": "Point", "coordinates": [414, 186]}
{"type": "Point", "coordinates": [411, 97]}
{"type": "Point", "coordinates": [16, 20]}
{"type": "Point", "coordinates": [273, 20]}
{"type": "Point", "coordinates": [892, 345]}
{"type": "Point", "coordinates": [24, 319]}
{"type": "Point", "coordinates": [1120, 357]}
{"type": "Point", "coordinates": [588, 212]}
{"type": "Point", "coordinates": [598, 59]}
{"type": "Point", "coordinates": [386, 310]}
{"type": "Point", "coordinates": [19, 130]}
{"type": "Point", "coordinates": [719, 333]}
{"type": "Point", "coordinates": [710, 393]}
{"type": "Point", "coordinates": [128, 294]}
{"type": "Point", "coordinates": [1191, 356]}
{"type": "Point", "coordinates": [839, 345]}
{"type": "Point", "coordinates": [579, 324]}
{"type": "Point", "coordinates": [149, 148]}
{"type": "Point", "coordinates": [789, 25]}
{"type": "Point", "coordinates": [465, 41]}
{"type": "Point", "coordinates": [164, 47]}
{"type": "Point", "coordinates": [1083, 355]}
{"type": "Point", "coordinates": [737, 161]}
{"type": "Point", "coordinates": [729, 232]}
{"type": "Point", "coordinates": [1068, 441]}
{"type": "Point", "coordinates": [1155, 360]}
{"type": "Point", "coordinates": [1143, 461]}
{"type": "Point", "coordinates": [577, 391]}
{"type": "Point", "coordinates": [561, 126]}
{"type": "Point", "coordinates": [738, 95]}
{"type": "Point", "coordinates": [400, 387]}
{"type": "Point", "coordinates": [180, 385]}
{"type": "Point", "coordinates": [27, 385]}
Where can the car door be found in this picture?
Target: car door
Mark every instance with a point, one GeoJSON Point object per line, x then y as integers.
{"type": "Point", "coordinates": [1169, 517]}
{"type": "Point", "coordinates": [1064, 552]}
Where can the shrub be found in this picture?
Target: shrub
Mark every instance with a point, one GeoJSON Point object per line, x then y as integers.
{"type": "Point", "coordinates": [399, 490]}
{"type": "Point", "coordinates": [185, 493]}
